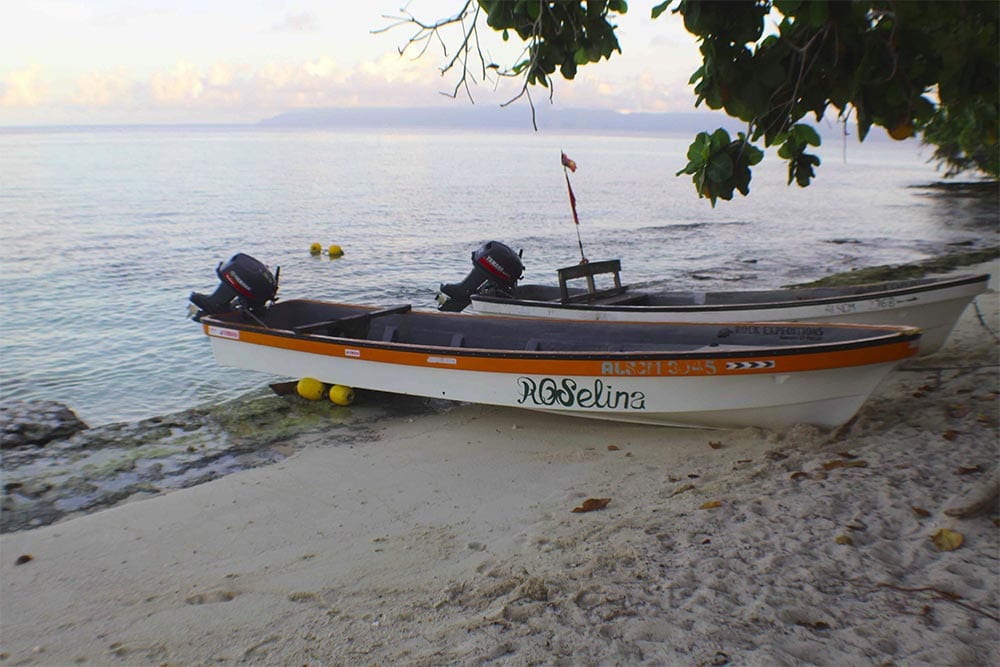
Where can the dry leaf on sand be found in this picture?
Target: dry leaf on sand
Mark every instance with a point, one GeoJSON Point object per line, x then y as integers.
{"type": "Point", "coordinates": [592, 504]}
{"type": "Point", "coordinates": [947, 539]}
{"type": "Point", "coordinates": [830, 465]}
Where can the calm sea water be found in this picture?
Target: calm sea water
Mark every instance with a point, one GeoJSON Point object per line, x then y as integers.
{"type": "Point", "coordinates": [104, 233]}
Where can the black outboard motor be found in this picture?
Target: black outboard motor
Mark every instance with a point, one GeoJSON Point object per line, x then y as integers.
{"type": "Point", "coordinates": [494, 266]}
{"type": "Point", "coordinates": [244, 283]}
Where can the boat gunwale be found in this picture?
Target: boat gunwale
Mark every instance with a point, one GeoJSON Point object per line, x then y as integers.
{"type": "Point", "coordinates": [891, 335]}
{"type": "Point", "coordinates": [936, 284]}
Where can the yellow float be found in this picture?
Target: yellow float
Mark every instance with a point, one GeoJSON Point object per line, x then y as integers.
{"type": "Point", "coordinates": [341, 395]}
{"type": "Point", "coordinates": [335, 251]}
{"type": "Point", "coordinates": [310, 388]}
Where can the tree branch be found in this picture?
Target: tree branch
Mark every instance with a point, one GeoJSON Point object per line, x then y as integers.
{"type": "Point", "coordinates": [467, 19]}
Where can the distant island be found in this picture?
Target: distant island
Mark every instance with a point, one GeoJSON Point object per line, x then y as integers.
{"type": "Point", "coordinates": [510, 118]}
{"type": "Point", "coordinates": [483, 117]}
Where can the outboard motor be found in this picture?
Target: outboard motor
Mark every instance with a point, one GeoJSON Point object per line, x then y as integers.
{"type": "Point", "coordinates": [494, 266]}
{"type": "Point", "coordinates": [244, 283]}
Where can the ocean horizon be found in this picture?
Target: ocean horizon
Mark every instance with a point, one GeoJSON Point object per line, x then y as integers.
{"type": "Point", "coordinates": [479, 118]}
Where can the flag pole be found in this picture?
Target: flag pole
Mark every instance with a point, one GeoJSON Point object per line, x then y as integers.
{"type": "Point", "coordinates": [568, 166]}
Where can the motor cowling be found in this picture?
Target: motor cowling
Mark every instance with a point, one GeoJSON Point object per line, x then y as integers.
{"type": "Point", "coordinates": [244, 283]}
{"type": "Point", "coordinates": [494, 266]}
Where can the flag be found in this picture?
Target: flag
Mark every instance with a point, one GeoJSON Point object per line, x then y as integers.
{"type": "Point", "coordinates": [571, 165]}
{"type": "Point", "coordinates": [572, 201]}
{"type": "Point", "coordinates": [568, 163]}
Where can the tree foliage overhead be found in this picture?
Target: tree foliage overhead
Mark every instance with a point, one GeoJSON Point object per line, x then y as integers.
{"type": "Point", "coordinates": [908, 66]}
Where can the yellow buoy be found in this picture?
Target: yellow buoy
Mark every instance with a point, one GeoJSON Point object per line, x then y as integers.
{"type": "Point", "coordinates": [310, 388]}
{"type": "Point", "coordinates": [335, 251]}
{"type": "Point", "coordinates": [341, 395]}
{"type": "Point", "coordinates": [315, 249]}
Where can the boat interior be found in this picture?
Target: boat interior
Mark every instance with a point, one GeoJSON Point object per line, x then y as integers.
{"type": "Point", "coordinates": [400, 324]}
{"type": "Point", "coordinates": [614, 293]}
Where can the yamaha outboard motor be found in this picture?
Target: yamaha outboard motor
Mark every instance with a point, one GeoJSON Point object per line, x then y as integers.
{"type": "Point", "coordinates": [244, 284]}
{"type": "Point", "coordinates": [494, 266]}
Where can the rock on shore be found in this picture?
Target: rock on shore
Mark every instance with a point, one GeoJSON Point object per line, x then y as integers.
{"type": "Point", "coordinates": [54, 465]}
{"type": "Point", "coordinates": [27, 423]}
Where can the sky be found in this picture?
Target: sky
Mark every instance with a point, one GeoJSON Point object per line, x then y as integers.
{"type": "Point", "coordinates": [68, 62]}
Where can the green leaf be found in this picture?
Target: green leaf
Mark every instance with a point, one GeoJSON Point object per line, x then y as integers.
{"type": "Point", "coordinates": [660, 8]}
{"type": "Point", "coordinates": [712, 94]}
{"type": "Point", "coordinates": [800, 169]}
{"type": "Point", "coordinates": [817, 11]}
{"type": "Point", "coordinates": [741, 179]}
{"type": "Point", "coordinates": [720, 139]}
{"type": "Point", "coordinates": [720, 167]}
{"type": "Point", "coordinates": [787, 7]}
{"type": "Point", "coordinates": [754, 154]}
{"type": "Point", "coordinates": [700, 149]}
{"type": "Point", "coordinates": [772, 75]}
{"type": "Point", "coordinates": [806, 134]}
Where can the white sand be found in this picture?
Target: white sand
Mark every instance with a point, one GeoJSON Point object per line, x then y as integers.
{"type": "Point", "coordinates": [451, 540]}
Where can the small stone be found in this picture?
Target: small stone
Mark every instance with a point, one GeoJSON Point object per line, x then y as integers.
{"type": "Point", "coordinates": [35, 423]}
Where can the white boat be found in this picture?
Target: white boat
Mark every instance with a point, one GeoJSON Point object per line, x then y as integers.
{"type": "Point", "coordinates": [930, 304]}
{"type": "Point", "coordinates": [701, 375]}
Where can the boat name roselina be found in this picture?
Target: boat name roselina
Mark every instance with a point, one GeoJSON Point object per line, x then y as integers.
{"type": "Point", "coordinates": [567, 393]}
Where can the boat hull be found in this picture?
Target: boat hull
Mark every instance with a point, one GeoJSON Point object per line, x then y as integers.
{"type": "Point", "coordinates": [932, 307]}
{"type": "Point", "coordinates": [717, 389]}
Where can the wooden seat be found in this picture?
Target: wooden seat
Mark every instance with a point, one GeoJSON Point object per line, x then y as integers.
{"type": "Point", "coordinates": [588, 271]}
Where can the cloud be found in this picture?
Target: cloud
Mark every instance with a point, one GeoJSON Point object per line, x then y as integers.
{"type": "Point", "coordinates": [23, 88]}
{"type": "Point", "coordinates": [242, 91]}
{"type": "Point", "coordinates": [323, 82]}
{"type": "Point", "coordinates": [238, 92]}
{"type": "Point", "coordinates": [304, 22]}
{"type": "Point", "coordinates": [180, 86]}
{"type": "Point", "coordinates": [644, 92]}
{"type": "Point", "coordinates": [64, 10]}
{"type": "Point", "coordinates": [223, 74]}
{"type": "Point", "coordinates": [102, 89]}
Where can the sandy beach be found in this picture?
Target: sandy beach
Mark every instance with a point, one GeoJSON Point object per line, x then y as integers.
{"type": "Point", "coordinates": [451, 539]}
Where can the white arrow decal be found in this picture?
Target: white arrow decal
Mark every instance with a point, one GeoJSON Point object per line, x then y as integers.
{"type": "Point", "coordinates": [747, 365]}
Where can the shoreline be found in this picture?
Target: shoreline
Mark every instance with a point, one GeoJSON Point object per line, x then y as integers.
{"type": "Point", "coordinates": [452, 539]}
{"type": "Point", "coordinates": [100, 467]}
{"type": "Point", "coordinates": [97, 468]}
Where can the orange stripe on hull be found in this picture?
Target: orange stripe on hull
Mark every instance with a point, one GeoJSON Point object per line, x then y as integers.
{"type": "Point", "coordinates": [622, 364]}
